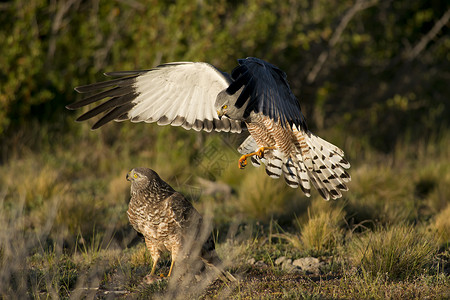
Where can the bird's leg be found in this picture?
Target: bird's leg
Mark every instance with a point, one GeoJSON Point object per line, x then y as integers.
{"type": "Point", "coordinates": [171, 267]}
{"type": "Point", "coordinates": [259, 153]}
{"type": "Point", "coordinates": [175, 256]}
{"type": "Point", "coordinates": [155, 262]}
{"type": "Point", "coordinates": [150, 278]}
{"type": "Point", "coordinates": [155, 254]}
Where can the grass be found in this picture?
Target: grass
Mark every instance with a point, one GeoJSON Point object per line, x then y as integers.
{"type": "Point", "coordinates": [320, 235]}
{"type": "Point", "coordinates": [441, 226]}
{"type": "Point", "coordinates": [64, 230]}
{"type": "Point", "coordinates": [398, 252]}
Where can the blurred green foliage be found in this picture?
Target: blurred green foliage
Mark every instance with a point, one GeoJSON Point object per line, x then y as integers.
{"type": "Point", "coordinates": [384, 73]}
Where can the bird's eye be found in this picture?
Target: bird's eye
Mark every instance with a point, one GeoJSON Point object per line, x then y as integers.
{"type": "Point", "coordinates": [225, 106]}
{"type": "Point", "coordinates": [135, 175]}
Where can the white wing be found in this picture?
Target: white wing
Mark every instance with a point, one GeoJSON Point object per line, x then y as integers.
{"type": "Point", "coordinates": [179, 94]}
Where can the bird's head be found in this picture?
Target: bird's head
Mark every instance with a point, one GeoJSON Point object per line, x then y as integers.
{"type": "Point", "coordinates": [225, 106]}
{"type": "Point", "coordinates": [149, 180]}
{"type": "Point", "coordinates": [141, 177]}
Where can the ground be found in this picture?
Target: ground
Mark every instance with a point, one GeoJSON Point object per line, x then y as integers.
{"type": "Point", "coordinates": [109, 274]}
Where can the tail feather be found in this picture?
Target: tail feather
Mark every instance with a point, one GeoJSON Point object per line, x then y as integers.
{"type": "Point", "coordinates": [318, 185]}
{"type": "Point", "coordinates": [303, 177]}
{"type": "Point", "coordinates": [290, 173]}
{"type": "Point", "coordinates": [326, 145]}
{"type": "Point", "coordinates": [324, 170]}
{"type": "Point", "coordinates": [256, 161]}
{"type": "Point", "coordinates": [314, 161]}
{"type": "Point", "coordinates": [210, 258]}
{"type": "Point", "coordinates": [274, 163]}
{"type": "Point", "coordinates": [329, 167]}
{"type": "Point", "coordinates": [329, 155]}
{"type": "Point", "coordinates": [318, 178]}
{"type": "Point", "coordinates": [218, 268]}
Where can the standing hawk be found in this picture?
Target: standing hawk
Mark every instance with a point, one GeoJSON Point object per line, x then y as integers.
{"type": "Point", "coordinates": [168, 222]}
{"type": "Point", "coordinates": [256, 97]}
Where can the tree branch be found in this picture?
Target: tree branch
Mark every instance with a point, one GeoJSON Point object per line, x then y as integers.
{"type": "Point", "coordinates": [62, 9]}
{"type": "Point", "coordinates": [358, 6]}
{"type": "Point", "coordinates": [420, 46]}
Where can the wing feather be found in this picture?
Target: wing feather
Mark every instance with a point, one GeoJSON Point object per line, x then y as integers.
{"type": "Point", "coordinates": [180, 94]}
{"type": "Point", "coordinates": [269, 92]}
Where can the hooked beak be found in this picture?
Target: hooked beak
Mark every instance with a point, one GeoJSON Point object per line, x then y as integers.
{"type": "Point", "coordinates": [220, 114]}
{"type": "Point", "coordinates": [128, 176]}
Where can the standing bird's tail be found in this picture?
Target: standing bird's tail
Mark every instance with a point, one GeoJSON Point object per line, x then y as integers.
{"type": "Point", "coordinates": [210, 258]}
{"type": "Point", "coordinates": [313, 160]}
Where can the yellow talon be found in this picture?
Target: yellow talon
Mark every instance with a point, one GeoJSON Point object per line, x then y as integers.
{"type": "Point", "coordinates": [242, 161]}
{"type": "Point", "coordinates": [259, 153]}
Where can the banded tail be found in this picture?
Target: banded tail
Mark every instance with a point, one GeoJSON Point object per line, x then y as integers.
{"type": "Point", "coordinates": [314, 161]}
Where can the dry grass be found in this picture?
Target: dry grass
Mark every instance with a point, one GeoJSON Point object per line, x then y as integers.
{"type": "Point", "coordinates": [321, 234]}
{"type": "Point", "coordinates": [381, 194]}
{"type": "Point", "coordinates": [441, 227]}
{"type": "Point", "coordinates": [63, 226]}
{"type": "Point", "coordinates": [398, 252]}
{"type": "Point", "coordinates": [262, 196]}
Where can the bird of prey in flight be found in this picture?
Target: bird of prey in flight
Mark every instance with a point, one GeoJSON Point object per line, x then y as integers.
{"type": "Point", "coordinates": [256, 97]}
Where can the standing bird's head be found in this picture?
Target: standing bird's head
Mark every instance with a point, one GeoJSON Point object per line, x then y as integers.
{"type": "Point", "coordinates": [141, 177]}
{"type": "Point", "coordinates": [147, 179]}
{"type": "Point", "coordinates": [225, 106]}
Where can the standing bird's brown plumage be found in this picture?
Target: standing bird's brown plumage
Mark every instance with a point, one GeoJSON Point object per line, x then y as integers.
{"type": "Point", "coordinates": [168, 221]}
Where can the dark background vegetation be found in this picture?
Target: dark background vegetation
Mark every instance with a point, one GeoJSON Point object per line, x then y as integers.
{"type": "Point", "coordinates": [378, 70]}
{"type": "Point", "coordinates": [372, 76]}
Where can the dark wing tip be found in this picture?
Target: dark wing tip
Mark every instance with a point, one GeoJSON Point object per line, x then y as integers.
{"type": "Point", "coordinates": [84, 117]}
{"type": "Point", "coordinates": [125, 73]}
{"type": "Point", "coordinates": [71, 106]}
{"type": "Point", "coordinates": [83, 88]}
{"type": "Point", "coordinates": [117, 112]}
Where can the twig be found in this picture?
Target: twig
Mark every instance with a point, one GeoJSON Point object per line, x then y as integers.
{"type": "Point", "coordinates": [57, 24]}
{"type": "Point", "coordinates": [358, 6]}
{"type": "Point", "coordinates": [420, 46]}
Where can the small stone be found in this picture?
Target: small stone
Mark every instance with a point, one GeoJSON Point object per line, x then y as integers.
{"type": "Point", "coordinates": [280, 260]}
{"type": "Point", "coordinates": [251, 261]}
{"type": "Point", "coordinates": [287, 264]}
{"type": "Point", "coordinates": [295, 270]}
{"type": "Point", "coordinates": [151, 279]}
{"type": "Point", "coordinates": [260, 264]}
{"type": "Point", "coordinates": [308, 264]}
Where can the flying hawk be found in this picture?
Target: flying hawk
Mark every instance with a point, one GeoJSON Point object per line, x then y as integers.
{"type": "Point", "coordinates": [256, 97]}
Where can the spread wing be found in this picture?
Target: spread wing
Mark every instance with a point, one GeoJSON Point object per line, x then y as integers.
{"type": "Point", "coordinates": [269, 92]}
{"type": "Point", "coordinates": [179, 94]}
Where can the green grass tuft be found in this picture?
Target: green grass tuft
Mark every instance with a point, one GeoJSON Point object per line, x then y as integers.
{"type": "Point", "coordinates": [398, 252]}
{"type": "Point", "coordinates": [321, 234]}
